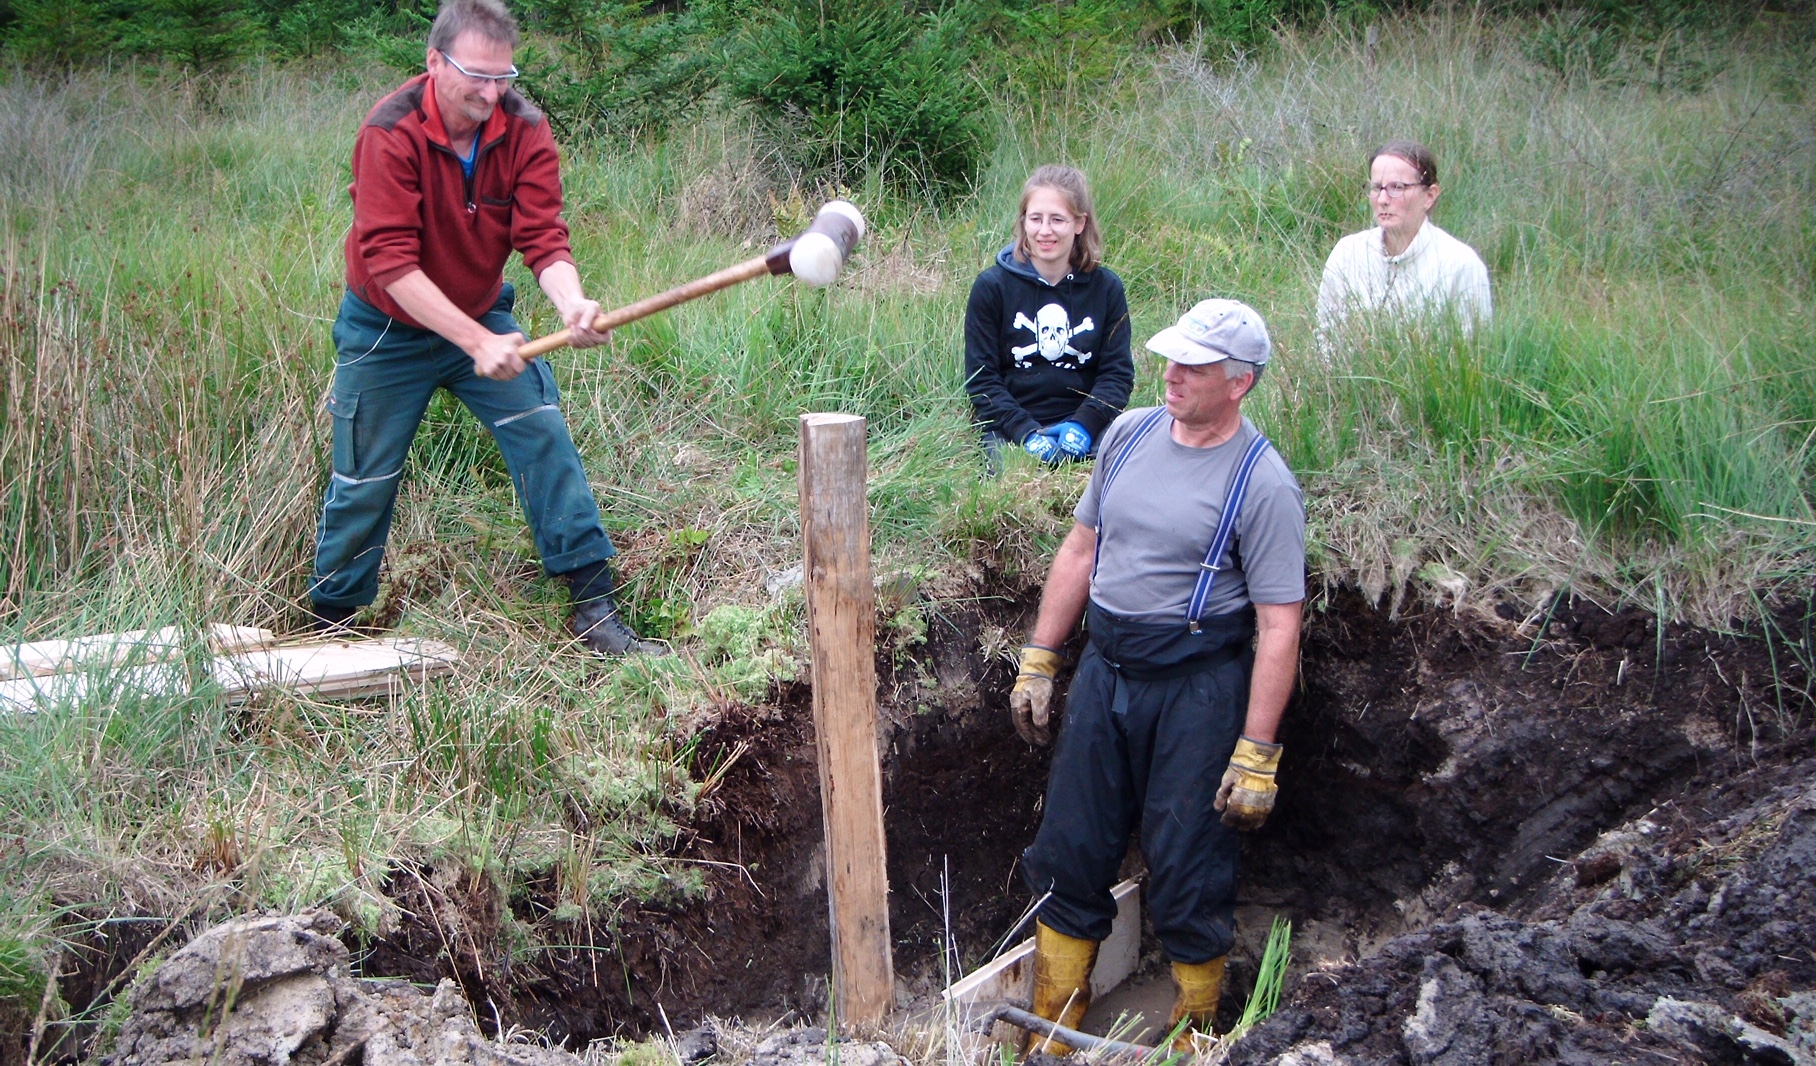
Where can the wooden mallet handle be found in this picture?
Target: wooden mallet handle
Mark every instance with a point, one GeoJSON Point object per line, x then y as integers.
{"type": "Point", "coordinates": [775, 261]}
{"type": "Point", "coordinates": [823, 249]}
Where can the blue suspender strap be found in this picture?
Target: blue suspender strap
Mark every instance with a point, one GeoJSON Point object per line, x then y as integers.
{"type": "Point", "coordinates": [1226, 528]}
{"type": "Point", "coordinates": [1123, 453]}
{"type": "Point", "coordinates": [1115, 467]}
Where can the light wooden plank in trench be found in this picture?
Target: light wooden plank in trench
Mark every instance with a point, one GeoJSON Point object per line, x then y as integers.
{"type": "Point", "coordinates": [1009, 978]}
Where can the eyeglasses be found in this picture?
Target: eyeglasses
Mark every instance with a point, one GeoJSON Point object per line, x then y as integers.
{"type": "Point", "coordinates": [503, 80]}
{"type": "Point", "coordinates": [1037, 220]}
{"type": "Point", "coordinates": [1393, 189]}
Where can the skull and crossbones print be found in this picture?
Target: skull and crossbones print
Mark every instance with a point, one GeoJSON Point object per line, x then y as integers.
{"type": "Point", "coordinates": [1053, 332]}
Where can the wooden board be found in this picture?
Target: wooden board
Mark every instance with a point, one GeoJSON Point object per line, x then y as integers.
{"type": "Point", "coordinates": [42, 657]}
{"type": "Point", "coordinates": [1009, 978]}
{"type": "Point", "coordinates": [326, 669]}
{"type": "Point", "coordinates": [1121, 950]}
{"type": "Point", "coordinates": [50, 691]}
{"type": "Point", "coordinates": [337, 669]}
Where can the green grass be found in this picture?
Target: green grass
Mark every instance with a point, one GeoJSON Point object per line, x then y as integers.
{"type": "Point", "coordinates": [1635, 424]}
{"type": "Point", "coordinates": [1270, 978]}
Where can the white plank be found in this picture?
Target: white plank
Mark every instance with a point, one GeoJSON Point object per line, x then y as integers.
{"type": "Point", "coordinates": [1118, 954]}
{"type": "Point", "coordinates": [42, 657]}
{"type": "Point", "coordinates": [337, 669]}
{"type": "Point", "coordinates": [48, 691]}
{"type": "Point", "coordinates": [328, 669]}
{"type": "Point", "coordinates": [1009, 978]}
{"type": "Point", "coordinates": [223, 638]}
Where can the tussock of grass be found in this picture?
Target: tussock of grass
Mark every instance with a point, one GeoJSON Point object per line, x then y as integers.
{"type": "Point", "coordinates": [1269, 979]}
{"type": "Point", "coordinates": [1635, 424]}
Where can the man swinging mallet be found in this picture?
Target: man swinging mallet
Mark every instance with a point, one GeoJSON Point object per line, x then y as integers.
{"type": "Point", "coordinates": [1189, 543]}
{"type": "Point", "coordinates": [451, 173]}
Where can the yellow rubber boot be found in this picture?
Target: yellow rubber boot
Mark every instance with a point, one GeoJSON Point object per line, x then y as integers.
{"type": "Point", "coordinates": [1062, 983]}
{"type": "Point", "coordinates": [1199, 984]}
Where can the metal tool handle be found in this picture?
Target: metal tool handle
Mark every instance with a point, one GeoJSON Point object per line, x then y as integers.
{"type": "Point", "coordinates": [1033, 1023]}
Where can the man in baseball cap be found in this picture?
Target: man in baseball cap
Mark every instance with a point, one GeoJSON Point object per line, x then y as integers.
{"type": "Point", "coordinates": [1188, 545]}
{"type": "Point", "coordinates": [1212, 331]}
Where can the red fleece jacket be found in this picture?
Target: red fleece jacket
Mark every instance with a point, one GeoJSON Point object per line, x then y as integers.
{"type": "Point", "coordinates": [414, 209]}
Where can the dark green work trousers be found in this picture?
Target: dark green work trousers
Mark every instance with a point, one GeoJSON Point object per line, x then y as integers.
{"type": "Point", "coordinates": [384, 375]}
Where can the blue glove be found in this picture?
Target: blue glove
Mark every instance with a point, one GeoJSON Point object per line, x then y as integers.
{"type": "Point", "coordinates": [1043, 447]}
{"type": "Point", "coordinates": [1073, 439]}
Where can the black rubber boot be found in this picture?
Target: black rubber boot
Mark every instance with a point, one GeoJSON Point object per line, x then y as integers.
{"type": "Point", "coordinates": [597, 625]}
{"type": "Point", "coordinates": [596, 622]}
{"type": "Point", "coordinates": [331, 621]}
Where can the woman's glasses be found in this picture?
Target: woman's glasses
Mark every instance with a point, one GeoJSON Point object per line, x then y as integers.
{"type": "Point", "coordinates": [1393, 189]}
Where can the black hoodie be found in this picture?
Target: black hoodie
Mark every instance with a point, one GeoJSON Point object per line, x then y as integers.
{"type": "Point", "coordinates": [1037, 354]}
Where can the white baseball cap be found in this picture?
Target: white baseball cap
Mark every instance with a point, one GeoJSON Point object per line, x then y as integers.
{"type": "Point", "coordinates": [1212, 331]}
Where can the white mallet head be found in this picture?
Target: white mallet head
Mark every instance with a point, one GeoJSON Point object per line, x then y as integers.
{"type": "Point", "coordinates": [817, 255]}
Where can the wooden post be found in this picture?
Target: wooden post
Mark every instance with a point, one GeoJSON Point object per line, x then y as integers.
{"type": "Point", "coordinates": [841, 619]}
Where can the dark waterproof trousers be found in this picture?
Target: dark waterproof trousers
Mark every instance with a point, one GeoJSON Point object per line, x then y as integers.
{"type": "Point", "coordinates": [1154, 715]}
{"type": "Point", "coordinates": [384, 375]}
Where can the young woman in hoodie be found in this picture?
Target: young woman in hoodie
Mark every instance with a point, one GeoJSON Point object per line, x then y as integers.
{"type": "Point", "coordinates": [1047, 361]}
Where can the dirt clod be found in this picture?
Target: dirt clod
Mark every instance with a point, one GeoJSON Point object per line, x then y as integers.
{"type": "Point", "coordinates": [696, 1045]}
{"type": "Point", "coordinates": [1722, 1036]}
{"type": "Point", "coordinates": [275, 991]}
{"type": "Point", "coordinates": [808, 1047]}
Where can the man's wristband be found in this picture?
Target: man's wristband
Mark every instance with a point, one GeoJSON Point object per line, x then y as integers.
{"type": "Point", "coordinates": [1256, 756]}
{"type": "Point", "coordinates": [1038, 660]}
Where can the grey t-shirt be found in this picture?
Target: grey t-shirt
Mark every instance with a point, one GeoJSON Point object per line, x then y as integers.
{"type": "Point", "coordinates": [1161, 516]}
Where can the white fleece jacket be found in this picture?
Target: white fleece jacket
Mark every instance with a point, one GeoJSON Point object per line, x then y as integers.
{"type": "Point", "coordinates": [1436, 274]}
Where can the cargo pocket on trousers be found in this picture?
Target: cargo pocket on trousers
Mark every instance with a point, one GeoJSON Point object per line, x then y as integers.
{"type": "Point", "coordinates": [545, 379]}
{"type": "Point", "coordinates": [345, 450]}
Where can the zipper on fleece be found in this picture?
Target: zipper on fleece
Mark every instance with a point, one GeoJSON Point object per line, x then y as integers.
{"type": "Point", "coordinates": [466, 180]}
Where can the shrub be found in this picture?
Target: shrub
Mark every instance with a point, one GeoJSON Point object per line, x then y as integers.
{"type": "Point", "coordinates": [202, 36]}
{"type": "Point", "coordinates": [1250, 23]}
{"type": "Point", "coordinates": [313, 27]}
{"type": "Point", "coordinates": [867, 86]}
{"type": "Point", "coordinates": [1039, 49]}
{"type": "Point", "coordinates": [619, 66]}
{"type": "Point", "coordinates": [1043, 51]}
{"type": "Point", "coordinates": [60, 33]}
{"type": "Point", "coordinates": [1667, 44]}
{"type": "Point", "coordinates": [394, 40]}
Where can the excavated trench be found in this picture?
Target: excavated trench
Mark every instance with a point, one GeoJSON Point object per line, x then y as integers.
{"type": "Point", "coordinates": [1440, 771]}
{"type": "Point", "coordinates": [1497, 841]}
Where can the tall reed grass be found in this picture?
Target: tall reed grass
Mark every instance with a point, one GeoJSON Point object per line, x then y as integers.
{"type": "Point", "coordinates": [1636, 423]}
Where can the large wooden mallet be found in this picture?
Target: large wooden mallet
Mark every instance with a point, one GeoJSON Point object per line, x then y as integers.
{"type": "Point", "coordinates": [815, 257]}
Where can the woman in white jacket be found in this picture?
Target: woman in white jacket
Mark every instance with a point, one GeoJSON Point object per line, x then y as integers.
{"type": "Point", "coordinates": [1406, 266]}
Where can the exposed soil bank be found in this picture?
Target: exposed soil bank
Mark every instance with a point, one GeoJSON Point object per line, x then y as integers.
{"type": "Point", "coordinates": [1560, 832]}
{"type": "Point", "coordinates": [1676, 940]}
{"type": "Point", "coordinates": [1497, 842]}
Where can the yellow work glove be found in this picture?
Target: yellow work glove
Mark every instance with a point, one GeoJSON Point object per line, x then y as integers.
{"type": "Point", "coordinates": [1247, 794]}
{"type": "Point", "coordinates": [1030, 701]}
